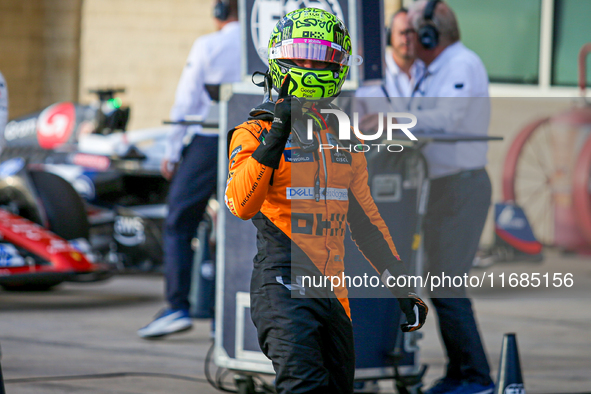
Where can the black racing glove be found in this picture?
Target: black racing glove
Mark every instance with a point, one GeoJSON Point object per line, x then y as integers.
{"type": "Point", "coordinates": [411, 305]}
{"type": "Point", "coordinates": [287, 108]}
{"type": "Point", "coordinates": [415, 310]}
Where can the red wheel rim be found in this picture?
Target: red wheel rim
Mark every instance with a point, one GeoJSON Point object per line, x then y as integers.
{"type": "Point", "coordinates": [527, 178]}
{"type": "Point", "coordinates": [512, 158]}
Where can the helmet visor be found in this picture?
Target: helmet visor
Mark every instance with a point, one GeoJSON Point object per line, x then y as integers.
{"type": "Point", "coordinates": [310, 49]}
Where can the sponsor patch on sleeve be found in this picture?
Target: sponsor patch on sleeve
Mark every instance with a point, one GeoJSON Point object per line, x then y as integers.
{"type": "Point", "coordinates": [230, 205]}
{"type": "Point", "coordinates": [235, 151]}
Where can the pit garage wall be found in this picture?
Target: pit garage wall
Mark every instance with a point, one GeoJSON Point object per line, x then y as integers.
{"type": "Point", "coordinates": [141, 45]}
{"type": "Point", "coordinates": [39, 43]}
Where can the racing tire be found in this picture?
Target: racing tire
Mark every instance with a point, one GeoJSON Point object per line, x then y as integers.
{"type": "Point", "coordinates": [64, 209]}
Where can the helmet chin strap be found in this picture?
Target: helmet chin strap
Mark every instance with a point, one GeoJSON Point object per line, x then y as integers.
{"type": "Point", "coordinates": [268, 96]}
{"type": "Point", "coordinates": [266, 84]}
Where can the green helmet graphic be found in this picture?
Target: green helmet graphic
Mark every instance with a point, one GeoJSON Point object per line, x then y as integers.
{"type": "Point", "coordinates": [310, 34]}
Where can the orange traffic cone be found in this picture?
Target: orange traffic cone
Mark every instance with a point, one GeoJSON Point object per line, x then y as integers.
{"type": "Point", "coordinates": [509, 380]}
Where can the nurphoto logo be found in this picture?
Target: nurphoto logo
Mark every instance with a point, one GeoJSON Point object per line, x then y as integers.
{"type": "Point", "coordinates": [392, 119]}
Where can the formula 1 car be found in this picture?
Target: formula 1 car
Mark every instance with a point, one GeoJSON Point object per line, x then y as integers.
{"type": "Point", "coordinates": [33, 258]}
{"type": "Point", "coordinates": [73, 170]}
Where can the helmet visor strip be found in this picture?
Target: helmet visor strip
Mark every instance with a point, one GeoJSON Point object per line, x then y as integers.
{"type": "Point", "coordinates": [309, 49]}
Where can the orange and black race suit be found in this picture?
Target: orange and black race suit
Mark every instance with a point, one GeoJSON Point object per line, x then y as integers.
{"type": "Point", "coordinates": [301, 209]}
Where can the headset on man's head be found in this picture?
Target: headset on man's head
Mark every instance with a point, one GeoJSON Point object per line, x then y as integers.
{"type": "Point", "coordinates": [221, 10]}
{"type": "Point", "coordinates": [428, 33]}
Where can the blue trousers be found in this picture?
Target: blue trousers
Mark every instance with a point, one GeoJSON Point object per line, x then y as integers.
{"type": "Point", "coordinates": [190, 190]}
{"type": "Point", "coordinates": [456, 213]}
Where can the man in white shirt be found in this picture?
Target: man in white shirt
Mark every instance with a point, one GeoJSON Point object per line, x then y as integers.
{"type": "Point", "coordinates": [192, 168]}
{"type": "Point", "coordinates": [401, 70]}
{"type": "Point", "coordinates": [401, 62]}
{"type": "Point", "coordinates": [3, 104]}
{"type": "Point", "coordinates": [451, 96]}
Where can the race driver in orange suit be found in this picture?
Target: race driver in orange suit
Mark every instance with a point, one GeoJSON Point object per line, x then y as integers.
{"type": "Point", "coordinates": [300, 199]}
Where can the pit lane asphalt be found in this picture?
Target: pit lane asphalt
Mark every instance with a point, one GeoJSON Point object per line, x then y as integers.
{"type": "Point", "coordinates": [90, 329]}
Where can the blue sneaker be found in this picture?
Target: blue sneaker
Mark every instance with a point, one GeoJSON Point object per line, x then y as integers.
{"type": "Point", "coordinates": [474, 388]}
{"type": "Point", "coordinates": [169, 321]}
{"type": "Point", "coordinates": [444, 386]}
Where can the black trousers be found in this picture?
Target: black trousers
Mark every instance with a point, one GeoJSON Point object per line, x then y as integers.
{"type": "Point", "coordinates": [188, 196]}
{"type": "Point", "coordinates": [309, 340]}
{"type": "Point", "coordinates": [456, 213]}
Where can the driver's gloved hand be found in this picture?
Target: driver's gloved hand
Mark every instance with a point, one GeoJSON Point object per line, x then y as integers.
{"type": "Point", "coordinates": [413, 307]}
{"type": "Point", "coordinates": [415, 310]}
{"type": "Point", "coordinates": [287, 107]}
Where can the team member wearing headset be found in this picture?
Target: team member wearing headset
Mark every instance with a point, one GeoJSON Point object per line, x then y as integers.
{"type": "Point", "coordinates": [452, 97]}
{"type": "Point", "coordinates": [300, 201]}
{"type": "Point", "coordinates": [192, 168]}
